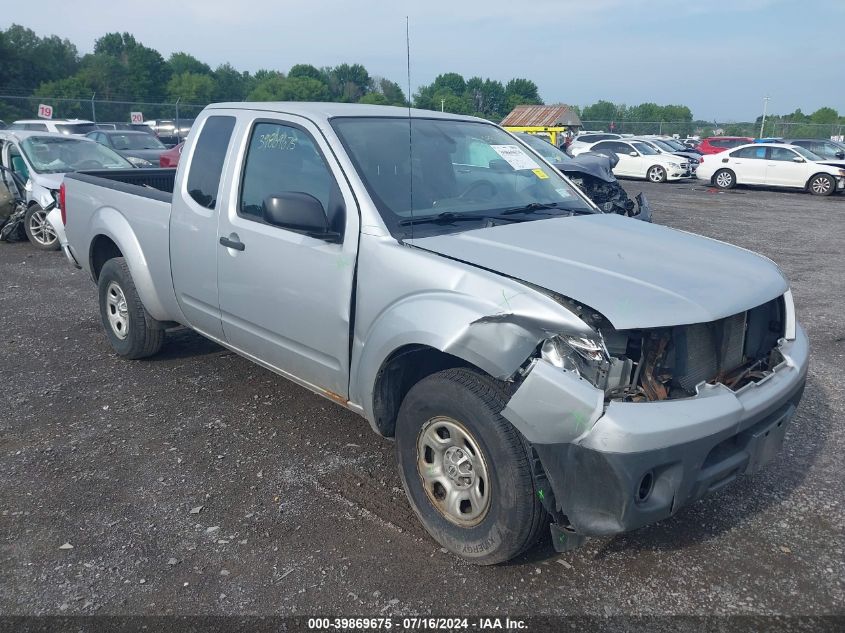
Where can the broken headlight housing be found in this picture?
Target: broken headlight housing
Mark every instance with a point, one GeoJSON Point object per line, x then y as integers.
{"type": "Point", "coordinates": [587, 356]}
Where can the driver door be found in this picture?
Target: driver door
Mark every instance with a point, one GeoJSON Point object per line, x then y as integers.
{"type": "Point", "coordinates": [285, 296]}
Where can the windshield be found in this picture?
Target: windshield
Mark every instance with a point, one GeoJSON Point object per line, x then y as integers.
{"type": "Point", "coordinates": [451, 168]}
{"type": "Point", "coordinates": [677, 145]}
{"type": "Point", "coordinates": [76, 128]}
{"type": "Point", "coordinates": [644, 149]}
{"type": "Point", "coordinates": [544, 148]}
{"type": "Point", "coordinates": [55, 155]}
{"type": "Point", "coordinates": [806, 153]}
{"type": "Point", "coordinates": [139, 140]}
{"type": "Point", "coordinates": [664, 146]}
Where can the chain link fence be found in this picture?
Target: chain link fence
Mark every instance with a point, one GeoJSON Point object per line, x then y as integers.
{"type": "Point", "coordinates": [13, 107]}
{"type": "Point", "coordinates": [772, 128]}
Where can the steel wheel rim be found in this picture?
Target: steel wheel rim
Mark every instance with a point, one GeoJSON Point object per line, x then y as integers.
{"type": "Point", "coordinates": [723, 180]}
{"type": "Point", "coordinates": [40, 228]}
{"type": "Point", "coordinates": [117, 311]}
{"type": "Point", "coordinates": [453, 471]}
{"type": "Point", "coordinates": [821, 185]}
{"type": "Point", "coordinates": [655, 175]}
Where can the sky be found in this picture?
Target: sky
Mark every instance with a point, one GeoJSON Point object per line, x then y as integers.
{"type": "Point", "coordinates": [719, 57]}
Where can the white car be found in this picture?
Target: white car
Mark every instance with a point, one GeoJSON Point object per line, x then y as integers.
{"type": "Point", "coordinates": [773, 165]}
{"type": "Point", "coordinates": [664, 147]}
{"type": "Point", "coordinates": [79, 127]}
{"type": "Point", "coordinates": [639, 160]}
{"type": "Point", "coordinates": [585, 139]}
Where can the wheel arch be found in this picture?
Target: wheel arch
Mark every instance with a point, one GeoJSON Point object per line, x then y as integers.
{"type": "Point", "coordinates": [114, 237]}
{"type": "Point", "coordinates": [400, 371]}
{"type": "Point", "coordinates": [816, 175]}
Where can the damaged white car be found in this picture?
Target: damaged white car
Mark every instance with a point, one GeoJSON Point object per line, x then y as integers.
{"type": "Point", "coordinates": [538, 362]}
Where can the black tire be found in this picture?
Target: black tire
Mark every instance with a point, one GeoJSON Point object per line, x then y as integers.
{"type": "Point", "coordinates": [514, 514]}
{"type": "Point", "coordinates": [38, 230]}
{"type": "Point", "coordinates": [821, 185]}
{"type": "Point", "coordinates": [656, 174]}
{"type": "Point", "coordinates": [142, 335]}
{"type": "Point", "coordinates": [724, 179]}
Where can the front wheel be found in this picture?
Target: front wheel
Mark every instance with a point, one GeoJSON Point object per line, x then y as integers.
{"type": "Point", "coordinates": [38, 229]}
{"type": "Point", "coordinates": [131, 331]}
{"type": "Point", "coordinates": [657, 174]}
{"type": "Point", "coordinates": [466, 469]}
{"type": "Point", "coordinates": [822, 185]}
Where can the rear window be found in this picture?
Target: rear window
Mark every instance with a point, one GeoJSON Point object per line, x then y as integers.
{"type": "Point", "coordinates": [207, 161]}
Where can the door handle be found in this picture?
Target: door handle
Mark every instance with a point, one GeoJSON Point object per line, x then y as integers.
{"type": "Point", "coordinates": [238, 246]}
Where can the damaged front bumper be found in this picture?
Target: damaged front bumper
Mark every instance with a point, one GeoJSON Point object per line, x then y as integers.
{"type": "Point", "coordinates": [616, 468]}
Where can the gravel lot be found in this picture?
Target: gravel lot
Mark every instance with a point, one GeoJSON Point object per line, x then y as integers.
{"type": "Point", "coordinates": [199, 483]}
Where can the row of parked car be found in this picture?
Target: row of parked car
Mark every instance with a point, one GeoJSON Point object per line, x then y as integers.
{"type": "Point", "coordinates": [814, 165]}
{"type": "Point", "coordinates": [36, 154]}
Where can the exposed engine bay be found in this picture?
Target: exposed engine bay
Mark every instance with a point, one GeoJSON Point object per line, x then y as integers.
{"type": "Point", "coordinates": [670, 362]}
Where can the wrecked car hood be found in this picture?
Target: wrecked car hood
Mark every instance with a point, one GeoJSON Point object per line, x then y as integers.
{"type": "Point", "coordinates": [596, 165]}
{"type": "Point", "coordinates": [636, 274]}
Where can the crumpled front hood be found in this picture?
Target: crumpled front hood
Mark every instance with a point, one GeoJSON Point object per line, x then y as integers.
{"type": "Point", "coordinates": [638, 275]}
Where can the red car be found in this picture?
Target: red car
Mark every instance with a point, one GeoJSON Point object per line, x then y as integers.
{"type": "Point", "coordinates": [170, 158]}
{"type": "Point", "coordinates": [716, 144]}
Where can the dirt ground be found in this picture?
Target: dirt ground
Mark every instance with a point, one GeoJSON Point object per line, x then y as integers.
{"type": "Point", "coordinates": [198, 483]}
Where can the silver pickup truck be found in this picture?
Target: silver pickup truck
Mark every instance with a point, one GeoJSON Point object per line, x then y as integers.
{"type": "Point", "coordinates": [540, 364]}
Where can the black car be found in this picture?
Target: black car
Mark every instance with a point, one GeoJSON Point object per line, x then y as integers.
{"type": "Point", "coordinates": [827, 149]}
{"type": "Point", "coordinates": [593, 174]}
{"type": "Point", "coordinates": [139, 148]}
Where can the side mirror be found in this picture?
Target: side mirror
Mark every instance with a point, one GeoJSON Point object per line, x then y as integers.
{"type": "Point", "coordinates": [840, 155]}
{"type": "Point", "coordinates": [798, 159]}
{"type": "Point", "coordinates": [300, 212]}
{"type": "Point", "coordinates": [633, 154]}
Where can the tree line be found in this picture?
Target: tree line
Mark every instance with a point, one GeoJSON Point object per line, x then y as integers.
{"type": "Point", "coordinates": [122, 69]}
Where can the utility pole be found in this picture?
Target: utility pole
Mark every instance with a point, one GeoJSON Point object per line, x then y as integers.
{"type": "Point", "coordinates": [763, 122]}
{"type": "Point", "coordinates": [442, 104]}
{"type": "Point", "coordinates": [93, 108]}
{"type": "Point", "coordinates": [177, 118]}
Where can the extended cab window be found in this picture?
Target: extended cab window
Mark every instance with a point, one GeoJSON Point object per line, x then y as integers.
{"type": "Point", "coordinates": [281, 159]}
{"type": "Point", "coordinates": [207, 162]}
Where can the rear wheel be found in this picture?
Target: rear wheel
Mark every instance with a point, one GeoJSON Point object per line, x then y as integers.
{"type": "Point", "coordinates": [822, 185]}
{"type": "Point", "coordinates": [38, 229]}
{"type": "Point", "coordinates": [131, 331]}
{"type": "Point", "coordinates": [466, 469]}
{"type": "Point", "coordinates": [656, 173]}
{"type": "Point", "coordinates": [724, 179]}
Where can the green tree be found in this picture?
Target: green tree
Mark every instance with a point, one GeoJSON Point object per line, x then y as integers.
{"type": "Point", "coordinates": [348, 82]}
{"type": "Point", "coordinates": [229, 84]}
{"type": "Point", "coordinates": [306, 71]}
{"type": "Point", "coordinates": [521, 91]}
{"type": "Point", "coordinates": [184, 63]}
{"type": "Point", "coordinates": [601, 111]}
{"type": "Point", "coordinates": [384, 92]}
{"type": "Point", "coordinates": [191, 88]}
{"type": "Point", "coordinates": [27, 60]}
{"type": "Point", "coordinates": [825, 115]}
{"type": "Point", "coordinates": [280, 88]}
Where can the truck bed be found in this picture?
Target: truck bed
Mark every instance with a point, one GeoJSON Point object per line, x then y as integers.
{"type": "Point", "coordinates": [149, 183]}
{"type": "Point", "coordinates": [131, 209]}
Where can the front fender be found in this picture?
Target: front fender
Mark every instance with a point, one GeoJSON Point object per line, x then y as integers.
{"type": "Point", "coordinates": [109, 222]}
{"type": "Point", "coordinates": [495, 329]}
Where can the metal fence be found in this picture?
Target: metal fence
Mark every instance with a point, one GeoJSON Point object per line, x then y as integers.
{"type": "Point", "coordinates": [772, 128]}
{"type": "Point", "coordinates": [13, 107]}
